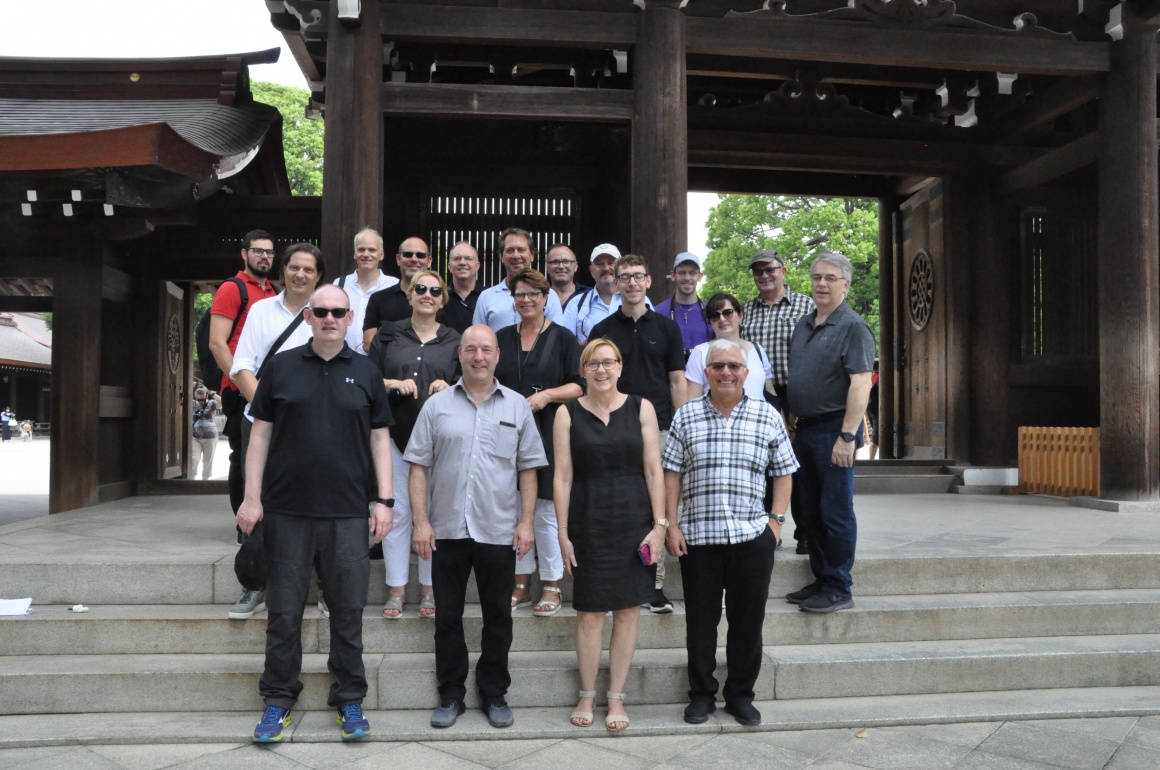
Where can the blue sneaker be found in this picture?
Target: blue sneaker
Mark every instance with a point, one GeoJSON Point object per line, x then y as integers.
{"type": "Point", "coordinates": [269, 730]}
{"type": "Point", "coordinates": [354, 724]}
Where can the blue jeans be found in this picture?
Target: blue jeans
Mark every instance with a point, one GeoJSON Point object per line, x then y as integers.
{"type": "Point", "coordinates": [826, 494]}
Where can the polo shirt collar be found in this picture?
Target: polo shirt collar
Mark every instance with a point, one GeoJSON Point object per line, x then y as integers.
{"type": "Point", "coordinates": [840, 310]}
{"type": "Point", "coordinates": [626, 318]}
{"type": "Point", "coordinates": [308, 351]}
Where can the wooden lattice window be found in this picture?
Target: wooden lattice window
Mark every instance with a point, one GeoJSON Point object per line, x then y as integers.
{"type": "Point", "coordinates": [1059, 308]}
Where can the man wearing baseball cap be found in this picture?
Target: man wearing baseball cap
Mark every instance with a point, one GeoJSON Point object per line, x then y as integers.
{"type": "Point", "coordinates": [685, 307]}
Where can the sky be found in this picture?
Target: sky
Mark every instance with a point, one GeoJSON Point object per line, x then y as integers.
{"type": "Point", "coordinates": [118, 29]}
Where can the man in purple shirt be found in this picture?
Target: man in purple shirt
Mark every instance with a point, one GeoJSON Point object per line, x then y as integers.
{"type": "Point", "coordinates": [685, 307]}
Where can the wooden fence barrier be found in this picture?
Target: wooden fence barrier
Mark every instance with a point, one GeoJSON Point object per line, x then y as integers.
{"type": "Point", "coordinates": [1059, 461]}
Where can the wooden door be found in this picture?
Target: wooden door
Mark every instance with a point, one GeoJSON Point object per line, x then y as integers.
{"type": "Point", "coordinates": [171, 383]}
{"type": "Point", "coordinates": [922, 327]}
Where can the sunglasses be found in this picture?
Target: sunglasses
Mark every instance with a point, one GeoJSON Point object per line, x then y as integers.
{"type": "Point", "coordinates": [764, 271]}
{"type": "Point", "coordinates": [720, 366]}
{"type": "Point", "coordinates": [323, 312]}
{"type": "Point", "coordinates": [413, 254]}
{"type": "Point", "coordinates": [726, 313]}
{"type": "Point", "coordinates": [436, 291]}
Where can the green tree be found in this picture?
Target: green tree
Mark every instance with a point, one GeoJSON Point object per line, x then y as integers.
{"type": "Point", "coordinates": [800, 229]}
{"type": "Point", "coordinates": [301, 137]}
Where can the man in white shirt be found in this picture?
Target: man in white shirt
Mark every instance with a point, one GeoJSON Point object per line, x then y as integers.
{"type": "Point", "coordinates": [366, 279]}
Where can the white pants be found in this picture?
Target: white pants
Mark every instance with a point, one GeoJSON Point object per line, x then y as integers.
{"type": "Point", "coordinates": [203, 449]}
{"type": "Point", "coordinates": [397, 543]}
{"type": "Point", "coordinates": [547, 546]}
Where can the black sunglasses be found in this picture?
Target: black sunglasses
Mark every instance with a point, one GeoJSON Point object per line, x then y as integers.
{"type": "Point", "coordinates": [412, 254]}
{"type": "Point", "coordinates": [715, 314]}
{"type": "Point", "coordinates": [436, 291]}
{"type": "Point", "coordinates": [323, 312]}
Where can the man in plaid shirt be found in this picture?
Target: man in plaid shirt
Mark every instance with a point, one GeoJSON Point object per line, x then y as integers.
{"type": "Point", "coordinates": [769, 320]}
{"type": "Point", "coordinates": [719, 451]}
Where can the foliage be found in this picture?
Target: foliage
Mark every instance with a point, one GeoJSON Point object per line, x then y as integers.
{"type": "Point", "coordinates": [800, 229]}
{"type": "Point", "coordinates": [201, 305]}
{"type": "Point", "coordinates": [301, 137]}
{"type": "Point", "coordinates": [47, 320]}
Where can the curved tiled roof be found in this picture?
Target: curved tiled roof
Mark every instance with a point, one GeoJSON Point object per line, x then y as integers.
{"type": "Point", "coordinates": [211, 127]}
{"type": "Point", "coordinates": [24, 340]}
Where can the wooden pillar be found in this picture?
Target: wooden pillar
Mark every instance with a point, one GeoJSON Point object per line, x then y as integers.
{"type": "Point", "coordinates": [887, 210]}
{"type": "Point", "coordinates": [1128, 289]}
{"type": "Point", "coordinates": [660, 139]}
{"type": "Point", "coordinates": [352, 192]}
{"type": "Point", "coordinates": [76, 381]}
{"type": "Point", "coordinates": [957, 238]}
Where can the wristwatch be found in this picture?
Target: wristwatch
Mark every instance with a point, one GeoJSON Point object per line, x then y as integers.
{"type": "Point", "coordinates": [387, 501]}
{"type": "Point", "coordinates": [780, 518]}
{"type": "Point", "coordinates": [847, 437]}
{"type": "Point", "coordinates": [661, 523]}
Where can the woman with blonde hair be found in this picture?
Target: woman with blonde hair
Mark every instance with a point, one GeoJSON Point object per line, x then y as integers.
{"type": "Point", "coordinates": [610, 498]}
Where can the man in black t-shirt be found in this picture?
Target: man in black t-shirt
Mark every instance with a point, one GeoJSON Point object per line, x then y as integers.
{"type": "Point", "coordinates": [319, 451]}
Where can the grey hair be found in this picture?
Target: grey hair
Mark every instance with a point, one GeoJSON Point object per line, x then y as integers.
{"type": "Point", "coordinates": [199, 390]}
{"type": "Point", "coordinates": [369, 230]}
{"type": "Point", "coordinates": [837, 260]}
{"type": "Point", "coordinates": [719, 346]}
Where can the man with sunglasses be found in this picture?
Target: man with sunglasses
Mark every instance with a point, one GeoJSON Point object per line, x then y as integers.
{"type": "Point", "coordinates": [769, 320]}
{"type": "Point", "coordinates": [654, 362]}
{"type": "Point", "coordinates": [274, 324]}
{"type": "Point", "coordinates": [495, 307]}
{"type": "Point", "coordinates": [719, 452]}
{"type": "Point", "coordinates": [392, 304]}
{"type": "Point", "coordinates": [319, 453]}
{"type": "Point", "coordinates": [831, 362]}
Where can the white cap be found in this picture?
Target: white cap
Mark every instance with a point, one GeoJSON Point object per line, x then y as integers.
{"type": "Point", "coordinates": [687, 256]}
{"type": "Point", "coordinates": [605, 248]}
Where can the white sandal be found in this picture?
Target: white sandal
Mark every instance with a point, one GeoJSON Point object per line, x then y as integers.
{"type": "Point", "coordinates": [517, 602]}
{"type": "Point", "coordinates": [553, 606]}
{"type": "Point", "coordinates": [586, 716]}
{"type": "Point", "coordinates": [611, 720]}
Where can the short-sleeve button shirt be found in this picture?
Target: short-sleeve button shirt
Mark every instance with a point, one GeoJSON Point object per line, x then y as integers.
{"type": "Point", "coordinates": [322, 414]}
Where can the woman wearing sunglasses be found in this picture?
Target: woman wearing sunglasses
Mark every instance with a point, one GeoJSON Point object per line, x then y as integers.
{"type": "Point", "coordinates": [539, 360]}
{"type": "Point", "coordinates": [417, 357]}
{"type": "Point", "coordinates": [723, 312]}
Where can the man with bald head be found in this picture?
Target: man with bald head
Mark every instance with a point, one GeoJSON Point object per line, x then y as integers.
{"type": "Point", "coordinates": [471, 445]}
{"type": "Point", "coordinates": [392, 304]}
{"type": "Point", "coordinates": [319, 456]}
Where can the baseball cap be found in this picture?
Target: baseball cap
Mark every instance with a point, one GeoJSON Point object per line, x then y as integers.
{"type": "Point", "coordinates": [605, 248]}
{"type": "Point", "coordinates": [767, 255]}
{"type": "Point", "coordinates": [687, 256]}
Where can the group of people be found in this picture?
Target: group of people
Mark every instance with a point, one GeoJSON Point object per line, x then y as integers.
{"type": "Point", "coordinates": [537, 424]}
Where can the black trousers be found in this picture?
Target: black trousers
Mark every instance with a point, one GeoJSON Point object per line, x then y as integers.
{"type": "Point", "coordinates": [495, 567]}
{"type": "Point", "coordinates": [337, 547]}
{"type": "Point", "coordinates": [742, 570]}
{"type": "Point", "coordinates": [232, 406]}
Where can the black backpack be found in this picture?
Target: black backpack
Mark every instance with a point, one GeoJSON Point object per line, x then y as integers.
{"type": "Point", "coordinates": [211, 373]}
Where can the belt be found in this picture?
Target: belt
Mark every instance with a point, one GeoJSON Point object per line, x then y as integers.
{"type": "Point", "coordinates": [805, 422]}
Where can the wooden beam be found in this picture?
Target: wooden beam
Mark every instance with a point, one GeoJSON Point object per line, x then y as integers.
{"type": "Point", "coordinates": [1039, 171]}
{"type": "Point", "coordinates": [490, 101]}
{"type": "Point", "coordinates": [738, 149]}
{"type": "Point", "coordinates": [506, 26]}
{"type": "Point", "coordinates": [1059, 99]}
{"type": "Point", "coordinates": [766, 182]}
{"type": "Point", "coordinates": [150, 145]}
{"type": "Point", "coordinates": [12, 304]}
{"type": "Point", "coordinates": [858, 44]}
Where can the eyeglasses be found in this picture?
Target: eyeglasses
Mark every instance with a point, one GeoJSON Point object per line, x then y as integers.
{"type": "Point", "coordinates": [724, 313]}
{"type": "Point", "coordinates": [462, 258]}
{"type": "Point", "coordinates": [607, 364]}
{"type": "Point", "coordinates": [761, 272]}
{"type": "Point", "coordinates": [414, 254]}
{"type": "Point", "coordinates": [522, 295]}
{"type": "Point", "coordinates": [631, 278]}
{"type": "Point", "coordinates": [262, 252]}
{"type": "Point", "coordinates": [720, 366]}
{"type": "Point", "coordinates": [421, 289]}
{"type": "Point", "coordinates": [561, 262]}
{"type": "Point", "coordinates": [831, 278]}
{"type": "Point", "coordinates": [323, 312]}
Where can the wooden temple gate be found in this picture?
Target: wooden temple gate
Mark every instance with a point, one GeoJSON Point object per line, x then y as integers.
{"type": "Point", "coordinates": [1012, 145]}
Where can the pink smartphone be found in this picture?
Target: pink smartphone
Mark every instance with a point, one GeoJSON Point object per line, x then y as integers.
{"type": "Point", "coordinates": [645, 554]}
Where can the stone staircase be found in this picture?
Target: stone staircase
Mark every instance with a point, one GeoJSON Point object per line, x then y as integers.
{"type": "Point", "coordinates": [899, 477]}
{"type": "Point", "coordinates": [990, 627]}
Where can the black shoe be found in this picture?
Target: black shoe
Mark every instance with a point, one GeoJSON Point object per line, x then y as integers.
{"type": "Point", "coordinates": [802, 547]}
{"type": "Point", "coordinates": [800, 595]}
{"type": "Point", "coordinates": [660, 603]}
{"type": "Point", "coordinates": [446, 714]}
{"type": "Point", "coordinates": [698, 711]}
{"type": "Point", "coordinates": [499, 714]}
{"type": "Point", "coordinates": [824, 602]}
{"type": "Point", "coordinates": [744, 713]}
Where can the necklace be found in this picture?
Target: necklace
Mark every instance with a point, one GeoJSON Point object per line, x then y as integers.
{"type": "Point", "coordinates": [522, 358]}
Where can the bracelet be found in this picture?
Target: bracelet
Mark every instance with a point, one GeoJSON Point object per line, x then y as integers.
{"type": "Point", "coordinates": [558, 527]}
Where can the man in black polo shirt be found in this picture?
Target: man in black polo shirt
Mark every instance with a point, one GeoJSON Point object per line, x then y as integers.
{"type": "Point", "coordinates": [654, 362]}
{"type": "Point", "coordinates": [392, 304]}
{"type": "Point", "coordinates": [319, 451]}
{"type": "Point", "coordinates": [831, 357]}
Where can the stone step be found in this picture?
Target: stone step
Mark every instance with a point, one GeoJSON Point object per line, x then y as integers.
{"type": "Point", "coordinates": [53, 684]}
{"type": "Point", "coordinates": [142, 728]}
{"type": "Point", "coordinates": [899, 468]}
{"type": "Point", "coordinates": [903, 484]}
{"type": "Point", "coordinates": [876, 573]}
{"type": "Point", "coordinates": [205, 629]}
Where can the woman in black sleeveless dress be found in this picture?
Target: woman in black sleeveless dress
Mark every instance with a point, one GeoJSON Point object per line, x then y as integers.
{"type": "Point", "coordinates": [609, 492]}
